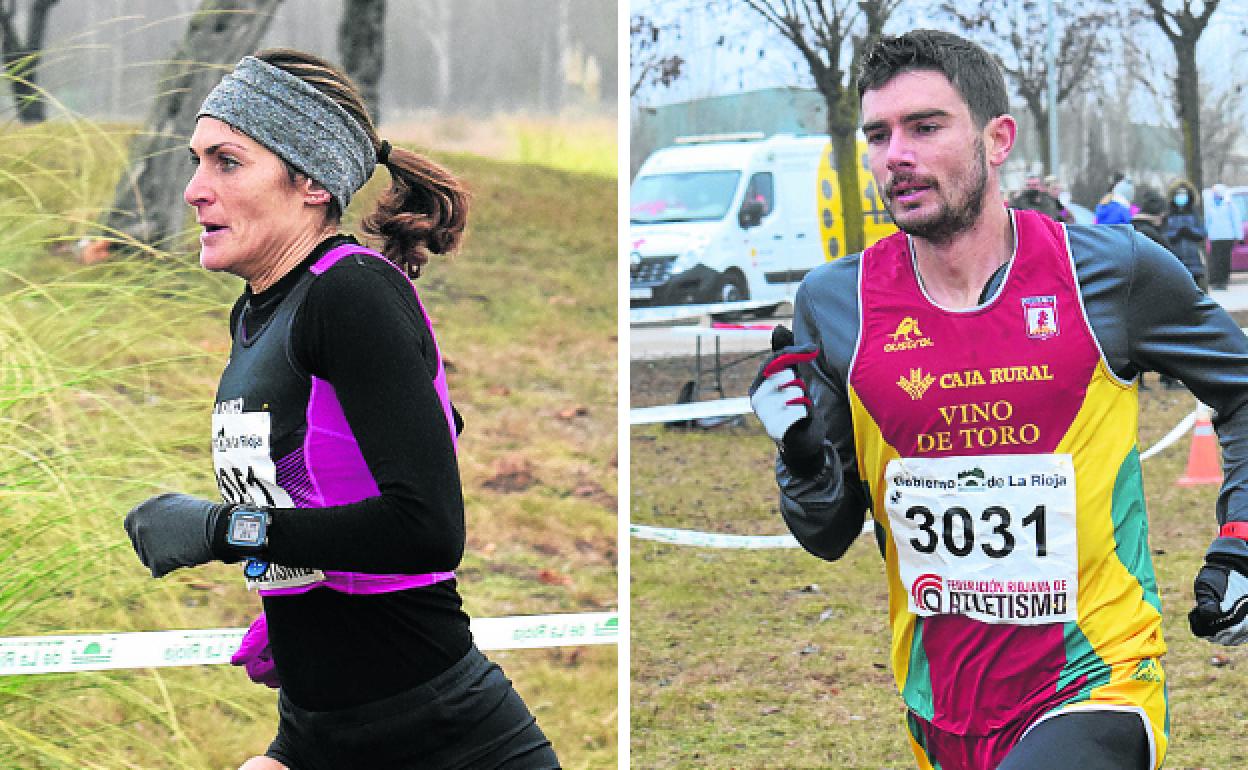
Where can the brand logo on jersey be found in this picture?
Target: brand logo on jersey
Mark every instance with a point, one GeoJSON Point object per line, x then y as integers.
{"type": "Point", "coordinates": [917, 384]}
{"type": "Point", "coordinates": [1147, 671]}
{"type": "Point", "coordinates": [927, 591]}
{"type": "Point", "coordinates": [1040, 315]}
{"type": "Point", "coordinates": [907, 337]}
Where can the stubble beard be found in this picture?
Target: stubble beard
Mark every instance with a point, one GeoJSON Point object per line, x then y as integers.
{"type": "Point", "coordinates": [953, 216]}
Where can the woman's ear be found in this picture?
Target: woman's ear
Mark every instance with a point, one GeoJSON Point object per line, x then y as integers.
{"type": "Point", "coordinates": [314, 194]}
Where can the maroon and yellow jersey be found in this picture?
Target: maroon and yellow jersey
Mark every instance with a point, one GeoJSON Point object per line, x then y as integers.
{"type": "Point", "coordinates": [999, 453]}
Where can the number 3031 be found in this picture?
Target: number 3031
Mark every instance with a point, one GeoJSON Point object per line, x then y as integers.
{"type": "Point", "coordinates": [957, 531]}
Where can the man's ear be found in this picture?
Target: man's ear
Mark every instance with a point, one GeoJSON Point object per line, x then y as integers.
{"type": "Point", "coordinates": [999, 136]}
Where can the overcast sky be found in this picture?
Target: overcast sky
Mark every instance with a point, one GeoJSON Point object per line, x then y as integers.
{"type": "Point", "coordinates": [713, 69]}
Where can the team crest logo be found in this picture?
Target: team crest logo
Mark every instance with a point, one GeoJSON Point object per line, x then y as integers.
{"type": "Point", "coordinates": [1040, 314]}
{"type": "Point", "coordinates": [926, 591]}
{"type": "Point", "coordinates": [917, 384]}
{"type": "Point", "coordinates": [907, 336]}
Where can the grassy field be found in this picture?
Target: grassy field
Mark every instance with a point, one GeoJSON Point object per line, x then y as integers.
{"type": "Point", "coordinates": [775, 659]}
{"type": "Point", "coordinates": [106, 380]}
{"type": "Point", "coordinates": [569, 143]}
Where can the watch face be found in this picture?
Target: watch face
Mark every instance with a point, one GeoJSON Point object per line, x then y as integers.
{"type": "Point", "coordinates": [255, 569]}
{"type": "Point", "coordinates": [246, 528]}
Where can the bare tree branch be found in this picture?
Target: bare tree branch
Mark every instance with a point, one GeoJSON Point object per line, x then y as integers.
{"type": "Point", "coordinates": [649, 66]}
{"type": "Point", "coordinates": [1019, 44]}
{"type": "Point", "coordinates": [1184, 35]}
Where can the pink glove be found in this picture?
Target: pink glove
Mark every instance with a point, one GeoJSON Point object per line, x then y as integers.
{"type": "Point", "coordinates": [254, 654]}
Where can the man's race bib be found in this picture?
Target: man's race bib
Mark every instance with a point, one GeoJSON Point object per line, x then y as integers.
{"type": "Point", "coordinates": [246, 474]}
{"type": "Point", "coordinates": [992, 538]}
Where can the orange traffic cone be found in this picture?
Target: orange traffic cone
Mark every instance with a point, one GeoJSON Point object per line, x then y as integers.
{"type": "Point", "coordinates": [1204, 465]}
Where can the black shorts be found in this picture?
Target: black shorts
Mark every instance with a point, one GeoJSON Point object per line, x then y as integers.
{"type": "Point", "coordinates": [469, 716]}
{"type": "Point", "coordinates": [1085, 739]}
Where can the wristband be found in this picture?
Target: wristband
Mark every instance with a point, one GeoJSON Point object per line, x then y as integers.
{"type": "Point", "coordinates": [1237, 529]}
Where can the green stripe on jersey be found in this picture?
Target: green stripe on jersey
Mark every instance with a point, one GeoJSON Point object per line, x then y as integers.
{"type": "Point", "coordinates": [917, 692]}
{"type": "Point", "coordinates": [1131, 527]}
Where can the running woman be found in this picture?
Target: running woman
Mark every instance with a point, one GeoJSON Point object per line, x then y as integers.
{"type": "Point", "coordinates": [334, 437]}
{"type": "Point", "coordinates": [972, 381]}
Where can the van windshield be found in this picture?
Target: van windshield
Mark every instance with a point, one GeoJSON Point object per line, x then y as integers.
{"type": "Point", "coordinates": [686, 197]}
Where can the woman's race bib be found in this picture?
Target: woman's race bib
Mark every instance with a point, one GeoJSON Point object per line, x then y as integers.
{"type": "Point", "coordinates": [246, 474]}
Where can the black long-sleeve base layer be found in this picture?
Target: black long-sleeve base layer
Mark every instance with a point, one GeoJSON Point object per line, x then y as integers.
{"type": "Point", "coordinates": [361, 329]}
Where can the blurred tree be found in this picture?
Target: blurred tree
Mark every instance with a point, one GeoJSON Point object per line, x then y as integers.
{"type": "Point", "coordinates": [1183, 28]}
{"type": "Point", "coordinates": [21, 56]}
{"type": "Point", "coordinates": [362, 49]}
{"type": "Point", "coordinates": [147, 205]}
{"type": "Point", "coordinates": [594, 26]}
{"type": "Point", "coordinates": [1222, 130]}
{"type": "Point", "coordinates": [1093, 173]}
{"type": "Point", "coordinates": [554, 58]}
{"type": "Point", "coordinates": [646, 63]}
{"type": "Point", "coordinates": [538, 50]}
{"type": "Point", "coordinates": [436, 28]}
{"type": "Point", "coordinates": [829, 36]}
{"type": "Point", "coordinates": [1017, 36]}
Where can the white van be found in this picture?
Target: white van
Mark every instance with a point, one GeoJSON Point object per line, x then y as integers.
{"type": "Point", "coordinates": [738, 217]}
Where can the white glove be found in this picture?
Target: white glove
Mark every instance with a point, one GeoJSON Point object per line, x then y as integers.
{"type": "Point", "coordinates": [780, 399]}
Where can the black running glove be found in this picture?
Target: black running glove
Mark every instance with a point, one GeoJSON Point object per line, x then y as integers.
{"type": "Point", "coordinates": [171, 531]}
{"type": "Point", "coordinates": [1221, 612]}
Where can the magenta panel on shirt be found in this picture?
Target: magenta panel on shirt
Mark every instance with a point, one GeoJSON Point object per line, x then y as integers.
{"type": "Point", "coordinates": [330, 470]}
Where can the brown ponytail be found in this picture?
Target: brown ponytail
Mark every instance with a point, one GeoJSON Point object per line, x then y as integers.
{"type": "Point", "coordinates": [426, 207]}
{"type": "Point", "coordinates": [423, 212]}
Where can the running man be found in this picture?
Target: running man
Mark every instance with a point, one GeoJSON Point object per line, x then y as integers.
{"type": "Point", "coordinates": [972, 381]}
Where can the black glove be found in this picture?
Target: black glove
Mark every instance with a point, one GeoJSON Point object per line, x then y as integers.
{"type": "Point", "coordinates": [1221, 612]}
{"type": "Point", "coordinates": [170, 531]}
{"type": "Point", "coordinates": [780, 398]}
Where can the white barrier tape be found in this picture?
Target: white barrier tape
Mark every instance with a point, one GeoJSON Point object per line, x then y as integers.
{"type": "Point", "coordinates": [210, 646]}
{"type": "Point", "coordinates": [662, 313]}
{"type": "Point", "coordinates": [1172, 437]}
{"type": "Point", "coordinates": [713, 540]}
{"type": "Point", "coordinates": [695, 410]}
{"type": "Point", "coordinates": [709, 539]}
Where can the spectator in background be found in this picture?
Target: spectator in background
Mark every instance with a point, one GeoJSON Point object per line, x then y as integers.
{"type": "Point", "coordinates": [1224, 225]}
{"type": "Point", "coordinates": [1115, 207]}
{"type": "Point", "coordinates": [1035, 197]}
{"type": "Point", "coordinates": [1148, 219]}
{"type": "Point", "coordinates": [1054, 186]}
{"type": "Point", "coordinates": [1184, 227]}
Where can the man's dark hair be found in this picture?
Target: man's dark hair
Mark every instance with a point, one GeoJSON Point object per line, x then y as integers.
{"type": "Point", "coordinates": [970, 69]}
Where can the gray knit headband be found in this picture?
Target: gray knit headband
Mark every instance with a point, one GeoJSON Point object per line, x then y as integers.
{"type": "Point", "coordinates": [298, 123]}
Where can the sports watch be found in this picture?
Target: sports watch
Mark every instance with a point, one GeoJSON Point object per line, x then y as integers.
{"type": "Point", "coordinates": [248, 529]}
